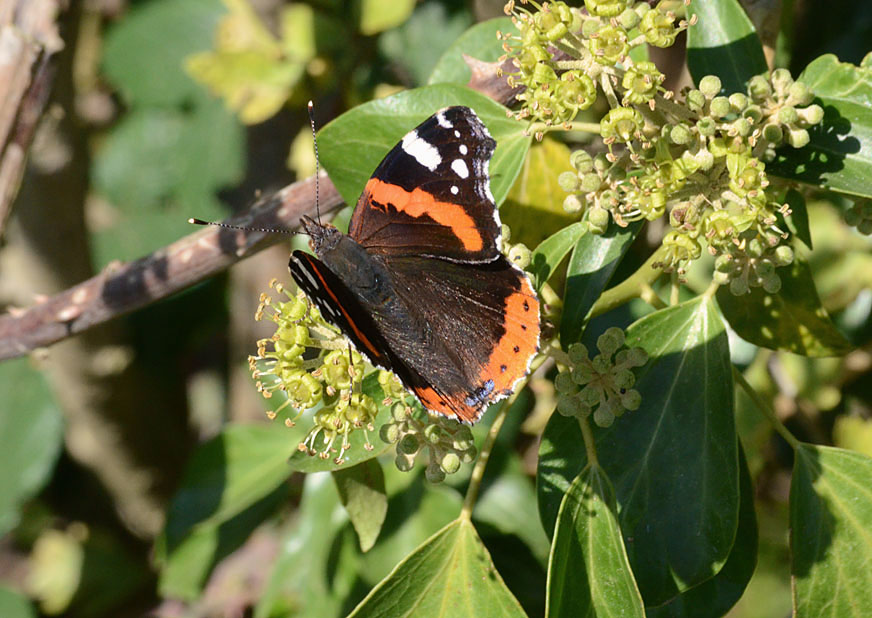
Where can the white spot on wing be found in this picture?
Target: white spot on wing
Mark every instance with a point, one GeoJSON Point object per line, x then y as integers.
{"type": "Point", "coordinates": [443, 121]}
{"type": "Point", "coordinates": [454, 190]}
{"type": "Point", "coordinates": [459, 167]}
{"type": "Point", "coordinates": [456, 133]}
{"type": "Point", "coordinates": [422, 151]}
{"type": "Point", "coordinates": [463, 149]}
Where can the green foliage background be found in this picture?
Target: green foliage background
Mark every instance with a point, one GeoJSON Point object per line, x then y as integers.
{"type": "Point", "coordinates": [252, 524]}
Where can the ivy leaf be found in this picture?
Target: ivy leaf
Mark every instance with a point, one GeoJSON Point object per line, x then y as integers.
{"type": "Point", "coordinates": [593, 262]}
{"type": "Point", "coordinates": [588, 574]}
{"type": "Point", "coordinates": [362, 493]}
{"type": "Point", "coordinates": [354, 144]}
{"type": "Point", "coordinates": [377, 16]}
{"type": "Point", "coordinates": [479, 42]}
{"type": "Point", "coordinates": [715, 597]}
{"type": "Point", "coordinates": [451, 574]}
{"type": "Point", "coordinates": [679, 519]}
{"type": "Point", "coordinates": [797, 221]}
{"type": "Point", "coordinates": [839, 155]}
{"type": "Point", "coordinates": [14, 605]}
{"type": "Point", "coordinates": [534, 206]}
{"type": "Point", "coordinates": [793, 319]}
{"type": "Point", "coordinates": [723, 43]}
{"type": "Point", "coordinates": [31, 436]}
{"type": "Point", "coordinates": [551, 251]}
{"type": "Point", "coordinates": [830, 520]}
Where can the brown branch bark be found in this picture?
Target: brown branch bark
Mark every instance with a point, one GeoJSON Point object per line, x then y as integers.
{"type": "Point", "coordinates": [122, 288]}
{"type": "Point", "coordinates": [28, 39]}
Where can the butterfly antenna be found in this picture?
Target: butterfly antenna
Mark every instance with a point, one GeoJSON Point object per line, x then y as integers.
{"type": "Point", "coordinates": [268, 230]}
{"type": "Point", "coordinates": [311, 107]}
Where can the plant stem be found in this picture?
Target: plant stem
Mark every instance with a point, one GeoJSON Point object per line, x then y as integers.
{"type": "Point", "coordinates": [632, 287]}
{"type": "Point", "coordinates": [587, 127]}
{"type": "Point", "coordinates": [589, 444]}
{"type": "Point", "coordinates": [765, 408]}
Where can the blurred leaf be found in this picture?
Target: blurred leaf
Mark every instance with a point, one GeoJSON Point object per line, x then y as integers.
{"type": "Point", "coordinates": [186, 567]}
{"type": "Point", "coordinates": [679, 518]}
{"type": "Point", "coordinates": [715, 597]}
{"type": "Point", "coordinates": [508, 503]}
{"type": "Point", "coordinates": [156, 168]}
{"type": "Point", "coordinates": [450, 574]}
{"type": "Point", "coordinates": [377, 16]}
{"type": "Point", "coordinates": [793, 319]}
{"type": "Point", "coordinates": [588, 574]}
{"type": "Point", "coordinates": [354, 144]}
{"type": "Point", "coordinates": [839, 156]}
{"type": "Point", "coordinates": [364, 443]}
{"type": "Point", "coordinates": [853, 433]}
{"type": "Point", "coordinates": [551, 251]}
{"type": "Point", "coordinates": [143, 53]}
{"type": "Point", "coordinates": [31, 435]}
{"type": "Point", "coordinates": [362, 493]}
{"type": "Point", "coordinates": [830, 520]}
{"type": "Point", "coordinates": [227, 475]}
{"type": "Point", "coordinates": [593, 262]}
{"type": "Point", "coordinates": [479, 42]}
{"type": "Point", "coordinates": [55, 569]}
{"type": "Point", "coordinates": [723, 43]}
{"type": "Point", "coordinates": [415, 46]}
{"type": "Point", "coordinates": [300, 581]}
{"type": "Point", "coordinates": [534, 206]}
{"type": "Point", "coordinates": [14, 605]}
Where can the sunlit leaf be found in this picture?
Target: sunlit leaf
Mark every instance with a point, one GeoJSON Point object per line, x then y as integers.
{"type": "Point", "coordinates": [551, 251]}
{"type": "Point", "coordinates": [831, 542]}
{"type": "Point", "coordinates": [377, 16]}
{"type": "Point", "coordinates": [451, 574]}
{"type": "Point", "coordinates": [479, 42]}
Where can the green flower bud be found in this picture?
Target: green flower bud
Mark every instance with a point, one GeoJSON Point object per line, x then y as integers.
{"type": "Point", "coordinates": [631, 400]}
{"type": "Point", "coordinates": [450, 463]}
{"type": "Point", "coordinates": [636, 357]}
{"type": "Point", "coordinates": [434, 473]}
{"type": "Point", "coordinates": [658, 28]}
{"type": "Point", "coordinates": [783, 255]}
{"type": "Point", "coordinates": [581, 161]}
{"type": "Point", "coordinates": [610, 341]}
{"type": "Point", "coordinates": [753, 113]}
{"type": "Point", "coordinates": [773, 133]}
{"type": "Point", "coordinates": [568, 181]}
{"type": "Point", "coordinates": [706, 127]}
{"type": "Point", "coordinates": [582, 374]}
{"type": "Point", "coordinates": [603, 418]}
{"type": "Point", "coordinates": [589, 182]}
{"type": "Point", "coordinates": [605, 8]}
{"type": "Point", "coordinates": [629, 19]}
{"type": "Point", "coordinates": [573, 204]}
{"type": "Point", "coordinates": [569, 406]}
{"type": "Point", "coordinates": [621, 123]}
{"type": "Point", "coordinates": [520, 255]}
{"type": "Point", "coordinates": [680, 134]}
{"type": "Point", "coordinates": [544, 74]}
{"type": "Point", "coordinates": [799, 94]}
{"type": "Point", "coordinates": [720, 107]}
{"type": "Point", "coordinates": [408, 445]}
{"type": "Point", "coordinates": [404, 463]}
{"type": "Point", "coordinates": [759, 88]}
{"type": "Point", "coordinates": [739, 286]}
{"type": "Point", "coordinates": [609, 46]}
{"type": "Point", "coordinates": [710, 86]}
{"type": "Point", "coordinates": [781, 80]}
{"type": "Point", "coordinates": [772, 284]}
{"type": "Point", "coordinates": [564, 384]}
{"type": "Point", "coordinates": [598, 220]}
{"type": "Point", "coordinates": [577, 353]}
{"type": "Point", "coordinates": [399, 412]}
{"type": "Point", "coordinates": [788, 115]}
{"type": "Point", "coordinates": [433, 434]}
{"type": "Point", "coordinates": [624, 379]}
{"type": "Point", "coordinates": [811, 115]}
{"type": "Point", "coordinates": [738, 102]}
{"type": "Point", "coordinates": [742, 126]}
{"type": "Point", "coordinates": [798, 138]}
{"type": "Point", "coordinates": [389, 433]}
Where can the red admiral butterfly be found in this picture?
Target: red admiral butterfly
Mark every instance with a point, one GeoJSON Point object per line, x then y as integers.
{"type": "Point", "coordinates": [419, 283]}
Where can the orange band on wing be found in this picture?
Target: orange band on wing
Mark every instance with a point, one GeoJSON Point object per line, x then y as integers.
{"type": "Point", "coordinates": [511, 356]}
{"type": "Point", "coordinates": [418, 203]}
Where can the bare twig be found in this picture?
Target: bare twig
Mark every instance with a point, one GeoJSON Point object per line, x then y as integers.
{"type": "Point", "coordinates": [122, 288]}
{"type": "Point", "coordinates": [28, 39]}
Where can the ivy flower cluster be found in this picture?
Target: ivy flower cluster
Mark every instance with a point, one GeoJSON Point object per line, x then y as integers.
{"type": "Point", "coordinates": [562, 55]}
{"type": "Point", "coordinates": [446, 442]}
{"type": "Point", "coordinates": [602, 385]}
{"type": "Point", "coordinates": [310, 361]}
{"type": "Point", "coordinates": [699, 161]}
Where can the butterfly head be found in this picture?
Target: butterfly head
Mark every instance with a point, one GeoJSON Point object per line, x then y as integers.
{"type": "Point", "coordinates": [323, 237]}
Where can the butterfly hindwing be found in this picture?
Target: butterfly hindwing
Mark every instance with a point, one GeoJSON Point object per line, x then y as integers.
{"type": "Point", "coordinates": [430, 196]}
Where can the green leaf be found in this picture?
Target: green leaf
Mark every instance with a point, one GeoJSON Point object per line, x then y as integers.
{"type": "Point", "coordinates": [673, 461]}
{"type": "Point", "coordinates": [839, 156]}
{"type": "Point", "coordinates": [377, 16]}
{"type": "Point", "coordinates": [31, 435]}
{"type": "Point", "coordinates": [362, 492]}
{"type": "Point", "coordinates": [588, 574]}
{"type": "Point", "coordinates": [593, 262]}
{"type": "Point", "coordinates": [364, 444]}
{"type": "Point", "coordinates": [793, 319]}
{"type": "Point", "coordinates": [304, 581]}
{"type": "Point", "coordinates": [355, 143]}
{"type": "Point", "coordinates": [227, 475]}
{"type": "Point", "coordinates": [797, 220]}
{"type": "Point", "coordinates": [479, 42]}
{"type": "Point", "coordinates": [14, 605]}
{"type": "Point", "coordinates": [723, 43]}
{"type": "Point", "coordinates": [143, 54]}
{"type": "Point", "coordinates": [534, 206]}
{"type": "Point", "coordinates": [831, 543]}
{"type": "Point", "coordinates": [551, 251]}
{"type": "Point", "coordinates": [187, 564]}
{"type": "Point", "coordinates": [451, 574]}
{"type": "Point", "coordinates": [715, 597]}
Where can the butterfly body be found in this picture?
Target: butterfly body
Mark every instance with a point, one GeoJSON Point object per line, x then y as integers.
{"type": "Point", "coordinates": [419, 284]}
